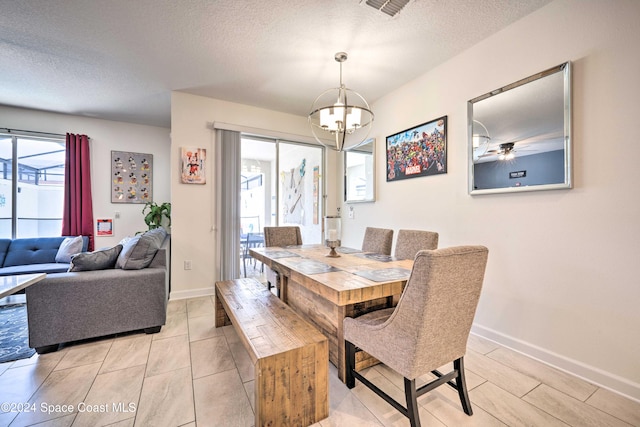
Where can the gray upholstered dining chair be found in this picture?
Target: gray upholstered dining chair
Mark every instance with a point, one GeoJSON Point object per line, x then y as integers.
{"type": "Point", "coordinates": [409, 242]}
{"type": "Point", "coordinates": [281, 237]}
{"type": "Point", "coordinates": [427, 329]}
{"type": "Point", "coordinates": [377, 240]}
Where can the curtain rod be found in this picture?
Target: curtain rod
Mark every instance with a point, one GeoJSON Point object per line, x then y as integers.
{"type": "Point", "coordinates": [31, 132]}
{"type": "Point", "coordinates": [248, 130]}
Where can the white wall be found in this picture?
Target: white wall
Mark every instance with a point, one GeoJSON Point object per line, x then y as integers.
{"type": "Point", "coordinates": [193, 206]}
{"type": "Point", "coordinates": [105, 136]}
{"type": "Point", "coordinates": [562, 281]}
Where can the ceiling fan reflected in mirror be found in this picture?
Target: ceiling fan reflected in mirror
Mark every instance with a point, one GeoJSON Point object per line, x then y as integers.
{"type": "Point", "coordinates": [507, 150]}
{"type": "Point", "coordinates": [487, 148]}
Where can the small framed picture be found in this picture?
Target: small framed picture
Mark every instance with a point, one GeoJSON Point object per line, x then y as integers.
{"type": "Point", "coordinates": [193, 165]}
{"type": "Point", "coordinates": [104, 227]}
{"type": "Point", "coordinates": [418, 151]}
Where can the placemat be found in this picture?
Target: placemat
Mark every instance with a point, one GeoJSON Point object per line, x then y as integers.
{"type": "Point", "coordinates": [308, 266]}
{"type": "Point", "coordinates": [378, 257]}
{"type": "Point", "coordinates": [385, 274]}
{"type": "Point", "coordinates": [345, 250]}
{"type": "Point", "coordinates": [302, 246]}
{"type": "Point", "coordinates": [279, 254]}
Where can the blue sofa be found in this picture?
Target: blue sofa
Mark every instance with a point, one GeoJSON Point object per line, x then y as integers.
{"type": "Point", "coordinates": [33, 255]}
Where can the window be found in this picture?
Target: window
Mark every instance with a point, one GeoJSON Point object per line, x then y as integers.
{"type": "Point", "coordinates": [31, 186]}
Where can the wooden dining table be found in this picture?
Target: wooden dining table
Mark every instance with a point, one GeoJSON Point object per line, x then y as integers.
{"type": "Point", "coordinates": [325, 290]}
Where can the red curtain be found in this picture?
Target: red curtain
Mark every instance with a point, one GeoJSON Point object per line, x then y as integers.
{"type": "Point", "coordinates": [77, 218]}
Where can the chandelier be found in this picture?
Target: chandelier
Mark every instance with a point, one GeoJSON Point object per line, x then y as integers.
{"type": "Point", "coordinates": [340, 118]}
{"type": "Point", "coordinates": [480, 142]}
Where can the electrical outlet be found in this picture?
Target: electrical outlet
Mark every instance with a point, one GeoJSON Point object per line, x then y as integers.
{"type": "Point", "coordinates": [187, 265]}
{"type": "Point", "coordinates": [351, 212]}
{"type": "Point", "coordinates": [117, 215]}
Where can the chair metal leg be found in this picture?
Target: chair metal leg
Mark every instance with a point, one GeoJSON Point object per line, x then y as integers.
{"type": "Point", "coordinates": [412, 402]}
{"type": "Point", "coordinates": [461, 383]}
{"type": "Point", "coordinates": [244, 263]}
{"type": "Point", "coordinates": [350, 365]}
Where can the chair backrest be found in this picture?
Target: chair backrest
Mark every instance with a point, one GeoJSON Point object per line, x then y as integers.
{"type": "Point", "coordinates": [409, 242]}
{"type": "Point", "coordinates": [377, 240]}
{"type": "Point", "coordinates": [432, 320]}
{"type": "Point", "coordinates": [250, 224]}
{"type": "Point", "coordinates": [282, 236]}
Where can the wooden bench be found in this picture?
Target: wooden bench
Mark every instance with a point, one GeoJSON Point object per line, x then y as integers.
{"type": "Point", "coordinates": [290, 357]}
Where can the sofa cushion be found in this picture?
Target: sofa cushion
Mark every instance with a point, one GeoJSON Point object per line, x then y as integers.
{"type": "Point", "coordinates": [32, 250]}
{"type": "Point", "coordinates": [69, 247]}
{"type": "Point", "coordinates": [127, 249]}
{"type": "Point", "coordinates": [97, 260]}
{"type": "Point", "coordinates": [139, 251]}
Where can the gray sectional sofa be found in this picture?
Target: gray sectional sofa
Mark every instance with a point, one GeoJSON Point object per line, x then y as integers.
{"type": "Point", "coordinates": [78, 305]}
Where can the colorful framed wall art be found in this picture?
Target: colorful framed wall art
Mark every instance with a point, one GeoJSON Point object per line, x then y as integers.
{"type": "Point", "coordinates": [418, 151]}
{"type": "Point", "coordinates": [193, 165]}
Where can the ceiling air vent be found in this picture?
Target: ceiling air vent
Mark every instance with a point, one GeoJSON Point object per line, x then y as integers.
{"type": "Point", "coordinates": [390, 7]}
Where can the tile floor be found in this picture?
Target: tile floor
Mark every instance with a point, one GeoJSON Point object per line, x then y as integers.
{"type": "Point", "coordinates": [193, 374]}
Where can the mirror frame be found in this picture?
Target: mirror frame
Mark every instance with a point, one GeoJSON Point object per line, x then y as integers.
{"type": "Point", "coordinates": [565, 69]}
{"type": "Point", "coordinates": [371, 181]}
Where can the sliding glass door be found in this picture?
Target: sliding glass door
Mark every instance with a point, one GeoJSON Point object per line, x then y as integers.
{"type": "Point", "coordinates": [300, 189]}
{"type": "Point", "coordinates": [281, 184]}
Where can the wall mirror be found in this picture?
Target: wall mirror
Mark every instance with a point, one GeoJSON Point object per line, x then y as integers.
{"type": "Point", "coordinates": [359, 173]}
{"type": "Point", "coordinates": [520, 135]}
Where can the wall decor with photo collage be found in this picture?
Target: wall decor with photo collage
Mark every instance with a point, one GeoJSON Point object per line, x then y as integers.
{"type": "Point", "coordinates": [131, 177]}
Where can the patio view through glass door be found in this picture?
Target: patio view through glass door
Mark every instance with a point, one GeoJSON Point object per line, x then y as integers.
{"type": "Point", "coordinates": [281, 184]}
{"type": "Point", "coordinates": [300, 190]}
{"type": "Point", "coordinates": [31, 186]}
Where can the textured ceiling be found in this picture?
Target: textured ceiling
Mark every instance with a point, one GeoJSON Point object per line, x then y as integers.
{"type": "Point", "coordinates": [120, 59]}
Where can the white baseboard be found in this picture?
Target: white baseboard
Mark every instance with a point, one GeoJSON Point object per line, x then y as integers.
{"type": "Point", "coordinates": [597, 376]}
{"type": "Point", "coordinates": [192, 293]}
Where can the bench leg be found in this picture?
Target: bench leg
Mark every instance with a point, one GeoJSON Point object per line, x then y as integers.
{"type": "Point", "coordinates": [221, 316]}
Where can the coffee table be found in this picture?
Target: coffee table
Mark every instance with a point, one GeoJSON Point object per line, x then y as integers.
{"type": "Point", "coordinates": [12, 284]}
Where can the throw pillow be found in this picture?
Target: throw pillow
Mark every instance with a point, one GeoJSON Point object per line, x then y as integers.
{"type": "Point", "coordinates": [138, 252]}
{"type": "Point", "coordinates": [69, 246]}
{"type": "Point", "coordinates": [98, 260]}
{"type": "Point", "coordinates": [125, 254]}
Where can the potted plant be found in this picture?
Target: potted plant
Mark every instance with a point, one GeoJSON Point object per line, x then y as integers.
{"type": "Point", "coordinates": [157, 215]}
